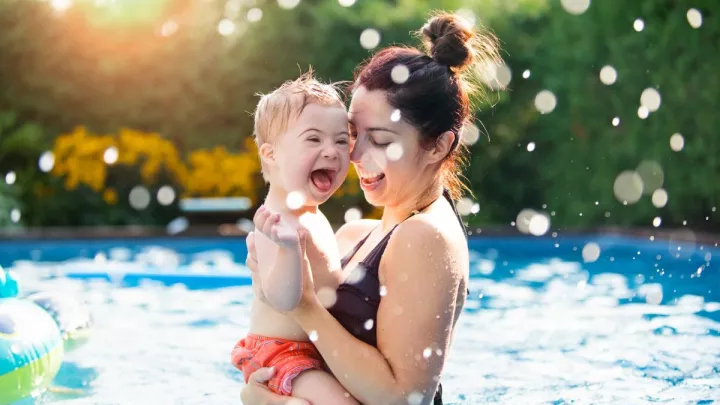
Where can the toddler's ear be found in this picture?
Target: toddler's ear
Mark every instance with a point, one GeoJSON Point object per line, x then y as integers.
{"type": "Point", "coordinates": [267, 153]}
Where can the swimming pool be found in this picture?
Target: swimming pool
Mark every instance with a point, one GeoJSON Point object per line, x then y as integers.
{"type": "Point", "coordinates": [641, 324]}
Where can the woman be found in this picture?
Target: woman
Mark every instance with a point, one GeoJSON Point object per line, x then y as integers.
{"type": "Point", "coordinates": [387, 331]}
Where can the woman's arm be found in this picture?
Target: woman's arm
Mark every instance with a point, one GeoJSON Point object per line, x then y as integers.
{"type": "Point", "coordinates": [414, 322]}
{"type": "Point", "coordinates": [255, 392]}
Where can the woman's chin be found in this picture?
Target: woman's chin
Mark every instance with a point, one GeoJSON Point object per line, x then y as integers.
{"type": "Point", "coordinates": [374, 198]}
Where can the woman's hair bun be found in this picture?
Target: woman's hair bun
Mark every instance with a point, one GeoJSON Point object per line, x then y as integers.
{"type": "Point", "coordinates": [449, 40]}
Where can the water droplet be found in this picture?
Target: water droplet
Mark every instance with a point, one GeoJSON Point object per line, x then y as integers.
{"type": "Point", "coordinates": [15, 215]}
{"type": "Point", "coordinates": [591, 252]}
{"type": "Point", "coordinates": [383, 291]}
{"type": "Point", "coordinates": [659, 198]}
{"type": "Point", "coordinates": [168, 28]}
{"type": "Point", "coordinates": [531, 146]}
{"type": "Point", "coordinates": [180, 224]}
{"type": "Point", "coordinates": [539, 224]}
{"type": "Point", "coordinates": [545, 101]}
{"type": "Point", "coordinates": [415, 398]}
{"type": "Point", "coordinates": [468, 15]}
{"type": "Point", "coordinates": [651, 174]}
{"type": "Point", "coordinates": [356, 275]}
{"type": "Point", "coordinates": [677, 142]}
{"type": "Point", "coordinates": [608, 75]}
{"type": "Point", "coordinates": [628, 187]}
{"type": "Point", "coordinates": [254, 14]}
{"type": "Point", "coordinates": [464, 206]}
{"type": "Point", "coordinates": [327, 296]}
{"type": "Point", "coordinates": [694, 18]}
{"type": "Point", "coordinates": [616, 121]}
{"type": "Point", "coordinates": [643, 112]}
{"type": "Point", "coordinates": [10, 178]}
{"type": "Point", "coordinates": [226, 27]}
{"type": "Point", "coordinates": [46, 161]}
{"type": "Point", "coordinates": [295, 200]}
{"type": "Point", "coordinates": [653, 293]}
{"type": "Point", "coordinates": [370, 38]}
{"type": "Point", "coordinates": [288, 4]}
{"type": "Point", "coordinates": [395, 116]}
{"type": "Point", "coordinates": [139, 197]}
{"type": "Point", "coordinates": [353, 214]}
{"type": "Point", "coordinates": [111, 155]}
{"type": "Point", "coordinates": [369, 324]}
{"type": "Point", "coordinates": [166, 195]}
{"type": "Point", "coordinates": [399, 74]}
{"type": "Point", "coordinates": [469, 134]}
{"type": "Point", "coordinates": [427, 352]}
{"type": "Point", "coordinates": [394, 151]}
{"type": "Point", "coordinates": [313, 335]}
{"type": "Point", "coordinates": [639, 25]}
{"type": "Point", "coordinates": [575, 7]}
{"type": "Point", "coordinates": [657, 221]}
{"type": "Point", "coordinates": [494, 75]}
{"type": "Point", "coordinates": [650, 98]}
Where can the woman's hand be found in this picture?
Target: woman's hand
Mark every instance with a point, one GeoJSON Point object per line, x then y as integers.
{"type": "Point", "coordinates": [255, 392]}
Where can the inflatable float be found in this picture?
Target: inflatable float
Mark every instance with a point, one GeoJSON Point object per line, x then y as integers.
{"type": "Point", "coordinates": [35, 333]}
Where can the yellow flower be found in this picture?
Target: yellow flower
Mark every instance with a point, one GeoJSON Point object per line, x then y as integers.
{"type": "Point", "coordinates": [216, 172]}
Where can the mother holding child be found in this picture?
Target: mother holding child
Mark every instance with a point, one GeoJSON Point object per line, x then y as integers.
{"type": "Point", "coordinates": [367, 315]}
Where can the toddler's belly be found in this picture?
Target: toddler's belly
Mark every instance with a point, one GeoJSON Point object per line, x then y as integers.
{"type": "Point", "coordinates": [265, 321]}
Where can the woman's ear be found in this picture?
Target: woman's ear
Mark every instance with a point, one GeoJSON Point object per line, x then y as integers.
{"type": "Point", "coordinates": [442, 147]}
{"type": "Point", "coordinates": [267, 153]}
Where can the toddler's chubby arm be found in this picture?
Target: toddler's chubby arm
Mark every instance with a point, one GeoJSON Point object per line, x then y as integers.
{"type": "Point", "coordinates": [279, 260]}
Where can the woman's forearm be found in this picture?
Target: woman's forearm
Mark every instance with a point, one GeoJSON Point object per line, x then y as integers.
{"type": "Point", "coordinates": [359, 367]}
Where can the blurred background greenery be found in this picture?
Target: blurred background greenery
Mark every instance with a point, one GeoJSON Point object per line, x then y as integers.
{"type": "Point", "coordinates": [111, 111]}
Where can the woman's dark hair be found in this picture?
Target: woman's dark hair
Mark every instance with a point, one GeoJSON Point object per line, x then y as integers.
{"type": "Point", "coordinates": [435, 96]}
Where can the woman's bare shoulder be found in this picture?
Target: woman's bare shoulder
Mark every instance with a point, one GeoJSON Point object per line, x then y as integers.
{"type": "Point", "coordinates": [436, 240]}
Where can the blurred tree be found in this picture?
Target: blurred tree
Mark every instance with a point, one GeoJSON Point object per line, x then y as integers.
{"type": "Point", "coordinates": [577, 150]}
{"type": "Point", "coordinates": [191, 70]}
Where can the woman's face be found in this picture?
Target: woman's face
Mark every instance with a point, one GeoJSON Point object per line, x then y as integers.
{"type": "Point", "coordinates": [387, 154]}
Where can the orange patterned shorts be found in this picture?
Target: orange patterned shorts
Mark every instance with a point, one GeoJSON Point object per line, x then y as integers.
{"type": "Point", "coordinates": [289, 357]}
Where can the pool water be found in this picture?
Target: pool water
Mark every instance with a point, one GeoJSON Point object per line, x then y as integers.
{"type": "Point", "coordinates": [638, 325]}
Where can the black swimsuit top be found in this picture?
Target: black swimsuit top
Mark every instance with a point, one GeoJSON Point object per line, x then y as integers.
{"type": "Point", "coordinates": [358, 299]}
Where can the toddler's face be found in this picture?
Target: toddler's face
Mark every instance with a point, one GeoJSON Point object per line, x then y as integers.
{"type": "Point", "coordinates": [313, 155]}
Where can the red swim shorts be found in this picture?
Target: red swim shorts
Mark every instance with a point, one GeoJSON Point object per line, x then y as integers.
{"type": "Point", "coordinates": [289, 358]}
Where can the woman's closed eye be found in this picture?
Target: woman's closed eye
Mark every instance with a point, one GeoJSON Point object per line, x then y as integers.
{"type": "Point", "coordinates": [379, 144]}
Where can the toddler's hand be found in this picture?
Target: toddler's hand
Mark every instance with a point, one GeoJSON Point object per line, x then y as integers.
{"type": "Point", "coordinates": [271, 225]}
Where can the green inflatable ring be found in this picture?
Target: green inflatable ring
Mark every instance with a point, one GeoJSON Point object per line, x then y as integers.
{"type": "Point", "coordinates": [31, 349]}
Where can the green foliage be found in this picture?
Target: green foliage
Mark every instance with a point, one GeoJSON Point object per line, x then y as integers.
{"type": "Point", "coordinates": [161, 65]}
{"type": "Point", "coordinates": [579, 153]}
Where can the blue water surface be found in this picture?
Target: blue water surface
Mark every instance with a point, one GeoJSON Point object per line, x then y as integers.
{"type": "Point", "coordinates": [566, 320]}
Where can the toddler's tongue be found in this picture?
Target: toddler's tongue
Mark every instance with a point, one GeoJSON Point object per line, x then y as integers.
{"type": "Point", "coordinates": [322, 180]}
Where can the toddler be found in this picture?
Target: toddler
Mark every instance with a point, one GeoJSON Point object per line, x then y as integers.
{"type": "Point", "coordinates": [301, 130]}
